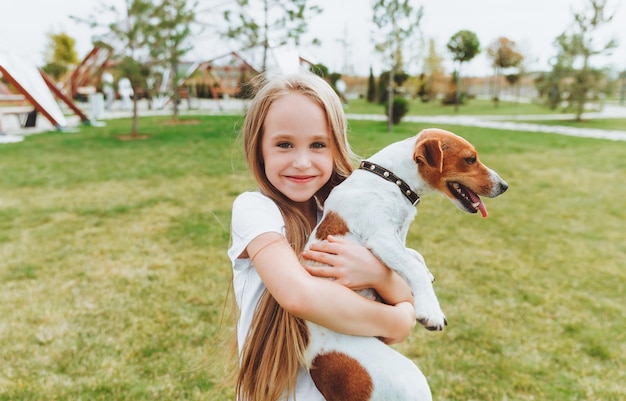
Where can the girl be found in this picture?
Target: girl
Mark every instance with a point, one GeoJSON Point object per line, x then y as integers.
{"type": "Point", "coordinates": [296, 146]}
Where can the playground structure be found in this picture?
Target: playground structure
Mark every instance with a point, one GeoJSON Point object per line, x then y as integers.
{"type": "Point", "coordinates": [36, 93]}
{"type": "Point", "coordinates": [35, 87]}
{"type": "Point", "coordinates": [223, 76]}
{"type": "Point", "coordinates": [31, 86]}
{"type": "Point", "coordinates": [220, 77]}
{"type": "Point", "coordinates": [84, 80]}
{"type": "Point", "coordinates": [229, 75]}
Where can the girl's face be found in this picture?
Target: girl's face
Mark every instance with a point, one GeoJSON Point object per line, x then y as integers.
{"type": "Point", "coordinates": [296, 147]}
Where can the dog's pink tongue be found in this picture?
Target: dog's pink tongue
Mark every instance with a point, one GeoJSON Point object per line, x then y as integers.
{"type": "Point", "coordinates": [481, 206]}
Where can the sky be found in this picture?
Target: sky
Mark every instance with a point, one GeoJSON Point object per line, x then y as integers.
{"type": "Point", "coordinates": [344, 28]}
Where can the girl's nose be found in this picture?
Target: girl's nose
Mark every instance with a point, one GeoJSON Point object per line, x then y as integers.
{"type": "Point", "coordinates": [302, 160]}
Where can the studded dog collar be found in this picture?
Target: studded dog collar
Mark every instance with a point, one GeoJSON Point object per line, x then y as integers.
{"type": "Point", "coordinates": [391, 177]}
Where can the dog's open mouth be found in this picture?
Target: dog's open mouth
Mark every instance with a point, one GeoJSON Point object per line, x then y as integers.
{"type": "Point", "coordinates": [469, 199]}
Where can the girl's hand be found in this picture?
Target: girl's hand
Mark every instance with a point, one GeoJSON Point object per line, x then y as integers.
{"type": "Point", "coordinates": [406, 323]}
{"type": "Point", "coordinates": [355, 266]}
{"type": "Point", "coordinates": [349, 263]}
{"type": "Point", "coordinates": [311, 298]}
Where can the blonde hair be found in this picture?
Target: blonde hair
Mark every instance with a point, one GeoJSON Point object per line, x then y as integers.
{"type": "Point", "coordinates": [274, 348]}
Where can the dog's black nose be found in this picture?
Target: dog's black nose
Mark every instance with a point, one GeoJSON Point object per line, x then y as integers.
{"type": "Point", "coordinates": [503, 186]}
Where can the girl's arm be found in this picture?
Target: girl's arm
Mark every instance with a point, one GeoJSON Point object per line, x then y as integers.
{"type": "Point", "coordinates": [356, 267]}
{"type": "Point", "coordinates": [323, 301]}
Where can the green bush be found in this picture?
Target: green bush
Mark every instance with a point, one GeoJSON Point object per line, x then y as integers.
{"type": "Point", "coordinates": [450, 99]}
{"type": "Point", "coordinates": [399, 109]}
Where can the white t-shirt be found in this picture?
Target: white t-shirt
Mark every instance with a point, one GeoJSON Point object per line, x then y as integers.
{"type": "Point", "coordinates": [254, 214]}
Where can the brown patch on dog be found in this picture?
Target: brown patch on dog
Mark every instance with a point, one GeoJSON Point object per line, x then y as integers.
{"type": "Point", "coordinates": [340, 377]}
{"type": "Point", "coordinates": [332, 224]}
{"type": "Point", "coordinates": [429, 151]}
{"type": "Point", "coordinates": [445, 157]}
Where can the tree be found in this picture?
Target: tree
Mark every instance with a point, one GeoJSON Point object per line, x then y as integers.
{"type": "Point", "coordinates": [577, 47]}
{"type": "Point", "coordinates": [333, 78]}
{"type": "Point", "coordinates": [503, 53]}
{"type": "Point", "coordinates": [61, 55]}
{"type": "Point", "coordinates": [464, 46]}
{"type": "Point", "coordinates": [552, 84]}
{"type": "Point", "coordinates": [513, 80]}
{"type": "Point", "coordinates": [280, 22]}
{"type": "Point", "coordinates": [320, 70]}
{"type": "Point", "coordinates": [399, 78]}
{"type": "Point", "coordinates": [167, 37]}
{"type": "Point", "coordinates": [433, 71]}
{"type": "Point", "coordinates": [422, 88]}
{"type": "Point", "coordinates": [371, 87]}
{"type": "Point", "coordinates": [130, 31]}
{"type": "Point", "coordinates": [397, 21]}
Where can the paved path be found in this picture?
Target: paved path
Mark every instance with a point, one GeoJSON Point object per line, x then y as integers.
{"type": "Point", "coordinates": [14, 133]}
{"type": "Point", "coordinates": [613, 135]}
{"type": "Point", "coordinates": [517, 123]}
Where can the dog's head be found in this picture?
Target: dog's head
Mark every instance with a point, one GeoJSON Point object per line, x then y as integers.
{"type": "Point", "coordinates": [450, 165]}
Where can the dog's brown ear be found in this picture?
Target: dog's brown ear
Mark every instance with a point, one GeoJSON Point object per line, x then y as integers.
{"type": "Point", "coordinates": [429, 151]}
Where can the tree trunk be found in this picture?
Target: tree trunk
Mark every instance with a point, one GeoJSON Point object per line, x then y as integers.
{"type": "Point", "coordinates": [175, 85]}
{"type": "Point", "coordinates": [390, 102]}
{"type": "Point", "coordinates": [135, 129]}
{"type": "Point", "coordinates": [265, 39]}
{"type": "Point", "coordinates": [582, 92]}
{"type": "Point", "coordinates": [496, 87]}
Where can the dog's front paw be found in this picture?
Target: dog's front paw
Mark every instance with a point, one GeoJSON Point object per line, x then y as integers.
{"type": "Point", "coordinates": [433, 326]}
{"type": "Point", "coordinates": [429, 314]}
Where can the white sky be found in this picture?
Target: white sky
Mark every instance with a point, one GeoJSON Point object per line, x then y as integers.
{"type": "Point", "coordinates": [532, 24]}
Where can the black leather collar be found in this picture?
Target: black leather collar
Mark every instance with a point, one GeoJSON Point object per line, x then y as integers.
{"type": "Point", "coordinates": [391, 177]}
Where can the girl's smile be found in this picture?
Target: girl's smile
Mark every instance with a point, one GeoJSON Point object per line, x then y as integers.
{"type": "Point", "coordinates": [301, 179]}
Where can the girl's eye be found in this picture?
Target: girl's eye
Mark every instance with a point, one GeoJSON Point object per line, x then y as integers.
{"type": "Point", "coordinates": [318, 145]}
{"type": "Point", "coordinates": [284, 145]}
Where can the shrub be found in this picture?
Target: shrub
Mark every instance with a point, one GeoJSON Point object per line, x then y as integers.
{"type": "Point", "coordinates": [399, 109]}
{"type": "Point", "coordinates": [450, 99]}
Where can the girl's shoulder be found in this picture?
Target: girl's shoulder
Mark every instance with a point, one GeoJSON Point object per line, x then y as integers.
{"type": "Point", "coordinates": [252, 196]}
{"type": "Point", "coordinates": [254, 214]}
{"type": "Point", "coordinates": [255, 205]}
{"type": "Point", "coordinates": [253, 199]}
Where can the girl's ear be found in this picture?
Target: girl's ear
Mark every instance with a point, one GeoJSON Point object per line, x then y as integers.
{"type": "Point", "coordinates": [429, 152]}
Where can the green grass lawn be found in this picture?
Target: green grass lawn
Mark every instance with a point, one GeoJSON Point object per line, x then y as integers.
{"type": "Point", "coordinates": [114, 280]}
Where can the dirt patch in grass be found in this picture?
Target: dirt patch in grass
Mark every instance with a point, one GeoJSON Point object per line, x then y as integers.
{"type": "Point", "coordinates": [131, 137]}
{"type": "Point", "coordinates": [181, 122]}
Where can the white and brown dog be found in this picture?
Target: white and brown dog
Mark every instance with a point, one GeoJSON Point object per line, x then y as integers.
{"type": "Point", "coordinates": [375, 206]}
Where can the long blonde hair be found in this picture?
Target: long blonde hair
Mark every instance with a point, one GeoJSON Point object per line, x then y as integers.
{"type": "Point", "coordinates": [275, 344]}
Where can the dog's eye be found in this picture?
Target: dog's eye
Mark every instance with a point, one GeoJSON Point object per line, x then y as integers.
{"type": "Point", "coordinates": [470, 160]}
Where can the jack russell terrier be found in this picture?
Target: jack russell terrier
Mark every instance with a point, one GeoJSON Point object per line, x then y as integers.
{"type": "Point", "coordinates": [375, 206]}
